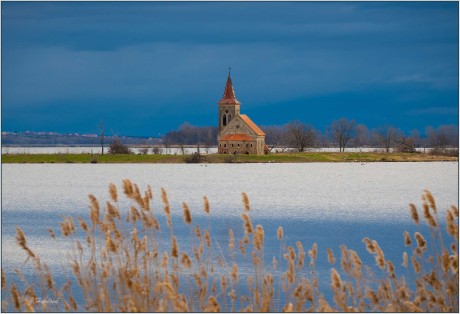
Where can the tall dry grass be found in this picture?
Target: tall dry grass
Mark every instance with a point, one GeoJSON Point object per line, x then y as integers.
{"type": "Point", "coordinates": [119, 265]}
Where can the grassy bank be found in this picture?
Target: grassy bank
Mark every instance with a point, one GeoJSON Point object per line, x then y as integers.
{"type": "Point", "coordinates": [216, 158]}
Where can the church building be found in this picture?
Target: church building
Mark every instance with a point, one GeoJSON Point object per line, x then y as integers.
{"type": "Point", "coordinates": [237, 134]}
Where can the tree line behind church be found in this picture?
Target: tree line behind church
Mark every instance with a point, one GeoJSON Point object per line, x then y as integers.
{"type": "Point", "coordinates": [342, 133]}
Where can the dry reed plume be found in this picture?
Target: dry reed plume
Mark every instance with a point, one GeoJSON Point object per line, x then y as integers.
{"type": "Point", "coordinates": [121, 263]}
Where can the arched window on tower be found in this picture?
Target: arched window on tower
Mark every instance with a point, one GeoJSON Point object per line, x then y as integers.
{"type": "Point", "coordinates": [224, 120]}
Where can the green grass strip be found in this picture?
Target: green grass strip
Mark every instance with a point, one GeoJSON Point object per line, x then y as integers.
{"type": "Point", "coordinates": [216, 158]}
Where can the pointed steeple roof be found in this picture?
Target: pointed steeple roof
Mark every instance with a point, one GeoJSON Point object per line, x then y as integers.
{"type": "Point", "coordinates": [229, 94]}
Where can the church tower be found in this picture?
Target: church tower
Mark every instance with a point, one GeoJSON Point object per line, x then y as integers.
{"type": "Point", "coordinates": [229, 106]}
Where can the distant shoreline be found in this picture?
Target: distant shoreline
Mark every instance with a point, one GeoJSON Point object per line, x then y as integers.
{"type": "Point", "coordinates": [216, 158]}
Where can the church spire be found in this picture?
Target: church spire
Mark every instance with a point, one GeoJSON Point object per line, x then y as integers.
{"type": "Point", "coordinates": [229, 93]}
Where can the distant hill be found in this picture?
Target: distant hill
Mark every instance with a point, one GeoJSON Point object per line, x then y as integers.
{"type": "Point", "coordinates": [29, 138]}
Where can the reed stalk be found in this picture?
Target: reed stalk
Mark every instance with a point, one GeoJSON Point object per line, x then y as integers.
{"type": "Point", "coordinates": [118, 266]}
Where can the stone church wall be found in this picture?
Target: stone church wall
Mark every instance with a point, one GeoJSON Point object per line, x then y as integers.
{"type": "Point", "coordinates": [237, 126]}
{"type": "Point", "coordinates": [238, 147]}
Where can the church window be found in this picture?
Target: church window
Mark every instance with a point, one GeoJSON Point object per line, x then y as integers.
{"type": "Point", "coordinates": [225, 145]}
{"type": "Point", "coordinates": [224, 120]}
{"type": "Point", "coordinates": [232, 145]}
{"type": "Point", "coordinates": [238, 145]}
{"type": "Point", "coordinates": [226, 111]}
{"type": "Point", "coordinates": [251, 145]}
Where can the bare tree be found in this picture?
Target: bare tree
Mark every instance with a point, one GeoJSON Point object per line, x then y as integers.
{"type": "Point", "coordinates": [404, 144]}
{"type": "Point", "coordinates": [209, 139]}
{"type": "Point", "coordinates": [188, 134]}
{"type": "Point", "coordinates": [323, 139]}
{"type": "Point", "coordinates": [275, 136]}
{"type": "Point", "coordinates": [341, 131]}
{"type": "Point", "coordinates": [451, 134]}
{"type": "Point", "coordinates": [443, 137]}
{"type": "Point", "coordinates": [102, 135]}
{"type": "Point", "coordinates": [385, 136]}
{"type": "Point", "coordinates": [415, 136]}
{"type": "Point", "coordinates": [167, 145]}
{"type": "Point", "coordinates": [300, 135]}
{"type": "Point", "coordinates": [182, 149]}
{"type": "Point", "coordinates": [362, 136]}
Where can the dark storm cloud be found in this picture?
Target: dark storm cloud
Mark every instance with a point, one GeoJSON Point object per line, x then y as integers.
{"type": "Point", "coordinates": [164, 63]}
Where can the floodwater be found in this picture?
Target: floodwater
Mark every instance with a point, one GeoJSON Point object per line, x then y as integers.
{"type": "Point", "coordinates": [98, 150]}
{"type": "Point", "coordinates": [326, 203]}
{"type": "Point", "coordinates": [162, 150]}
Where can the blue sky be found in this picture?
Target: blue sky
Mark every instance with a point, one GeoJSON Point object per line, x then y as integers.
{"type": "Point", "coordinates": [144, 68]}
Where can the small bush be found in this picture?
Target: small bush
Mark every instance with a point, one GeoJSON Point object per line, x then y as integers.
{"type": "Point", "coordinates": [156, 150]}
{"type": "Point", "coordinates": [231, 158]}
{"type": "Point", "coordinates": [451, 152]}
{"type": "Point", "coordinates": [117, 147]}
{"type": "Point", "coordinates": [143, 151]}
{"type": "Point", "coordinates": [195, 158]}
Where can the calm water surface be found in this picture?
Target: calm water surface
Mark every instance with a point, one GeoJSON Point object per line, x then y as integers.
{"type": "Point", "coordinates": [326, 203]}
{"type": "Point", "coordinates": [162, 150]}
